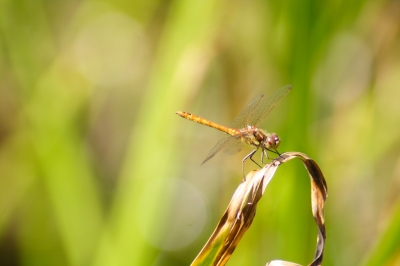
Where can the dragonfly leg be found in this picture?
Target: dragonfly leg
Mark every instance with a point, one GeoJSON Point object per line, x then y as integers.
{"type": "Point", "coordinates": [264, 153]}
{"type": "Point", "coordinates": [274, 151]}
{"type": "Point", "coordinates": [251, 158]}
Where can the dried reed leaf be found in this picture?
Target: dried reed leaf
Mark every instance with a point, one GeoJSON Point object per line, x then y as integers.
{"type": "Point", "coordinates": [242, 209]}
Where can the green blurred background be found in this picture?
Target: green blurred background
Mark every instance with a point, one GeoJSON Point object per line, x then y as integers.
{"type": "Point", "coordinates": [96, 169]}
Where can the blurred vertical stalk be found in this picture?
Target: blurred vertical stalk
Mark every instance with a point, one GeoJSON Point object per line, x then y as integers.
{"type": "Point", "coordinates": [177, 64]}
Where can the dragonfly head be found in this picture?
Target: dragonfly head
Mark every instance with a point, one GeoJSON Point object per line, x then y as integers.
{"type": "Point", "coordinates": [273, 141]}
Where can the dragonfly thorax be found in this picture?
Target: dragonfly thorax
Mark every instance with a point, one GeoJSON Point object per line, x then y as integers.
{"type": "Point", "coordinates": [257, 137]}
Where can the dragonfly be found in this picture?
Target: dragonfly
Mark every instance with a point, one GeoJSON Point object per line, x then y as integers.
{"type": "Point", "coordinates": [244, 128]}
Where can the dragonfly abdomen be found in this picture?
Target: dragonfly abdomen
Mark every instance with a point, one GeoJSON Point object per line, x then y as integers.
{"type": "Point", "coordinates": [200, 120]}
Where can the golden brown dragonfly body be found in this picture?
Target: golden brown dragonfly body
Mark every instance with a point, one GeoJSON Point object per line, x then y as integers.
{"type": "Point", "coordinates": [244, 128]}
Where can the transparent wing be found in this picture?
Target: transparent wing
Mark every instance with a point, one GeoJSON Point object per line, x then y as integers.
{"type": "Point", "coordinates": [231, 144]}
{"type": "Point", "coordinates": [266, 105]}
{"type": "Point", "coordinates": [259, 108]}
{"type": "Point", "coordinates": [241, 120]}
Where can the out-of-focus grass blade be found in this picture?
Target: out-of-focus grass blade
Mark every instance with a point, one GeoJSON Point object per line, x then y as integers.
{"type": "Point", "coordinates": [386, 248]}
{"type": "Point", "coordinates": [242, 208]}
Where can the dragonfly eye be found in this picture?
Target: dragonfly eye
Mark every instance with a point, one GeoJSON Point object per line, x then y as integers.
{"type": "Point", "coordinates": [273, 141]}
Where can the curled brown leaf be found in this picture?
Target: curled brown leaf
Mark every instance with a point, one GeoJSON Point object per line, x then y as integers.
{"type": "Point", "coordinates": [242, 209]}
